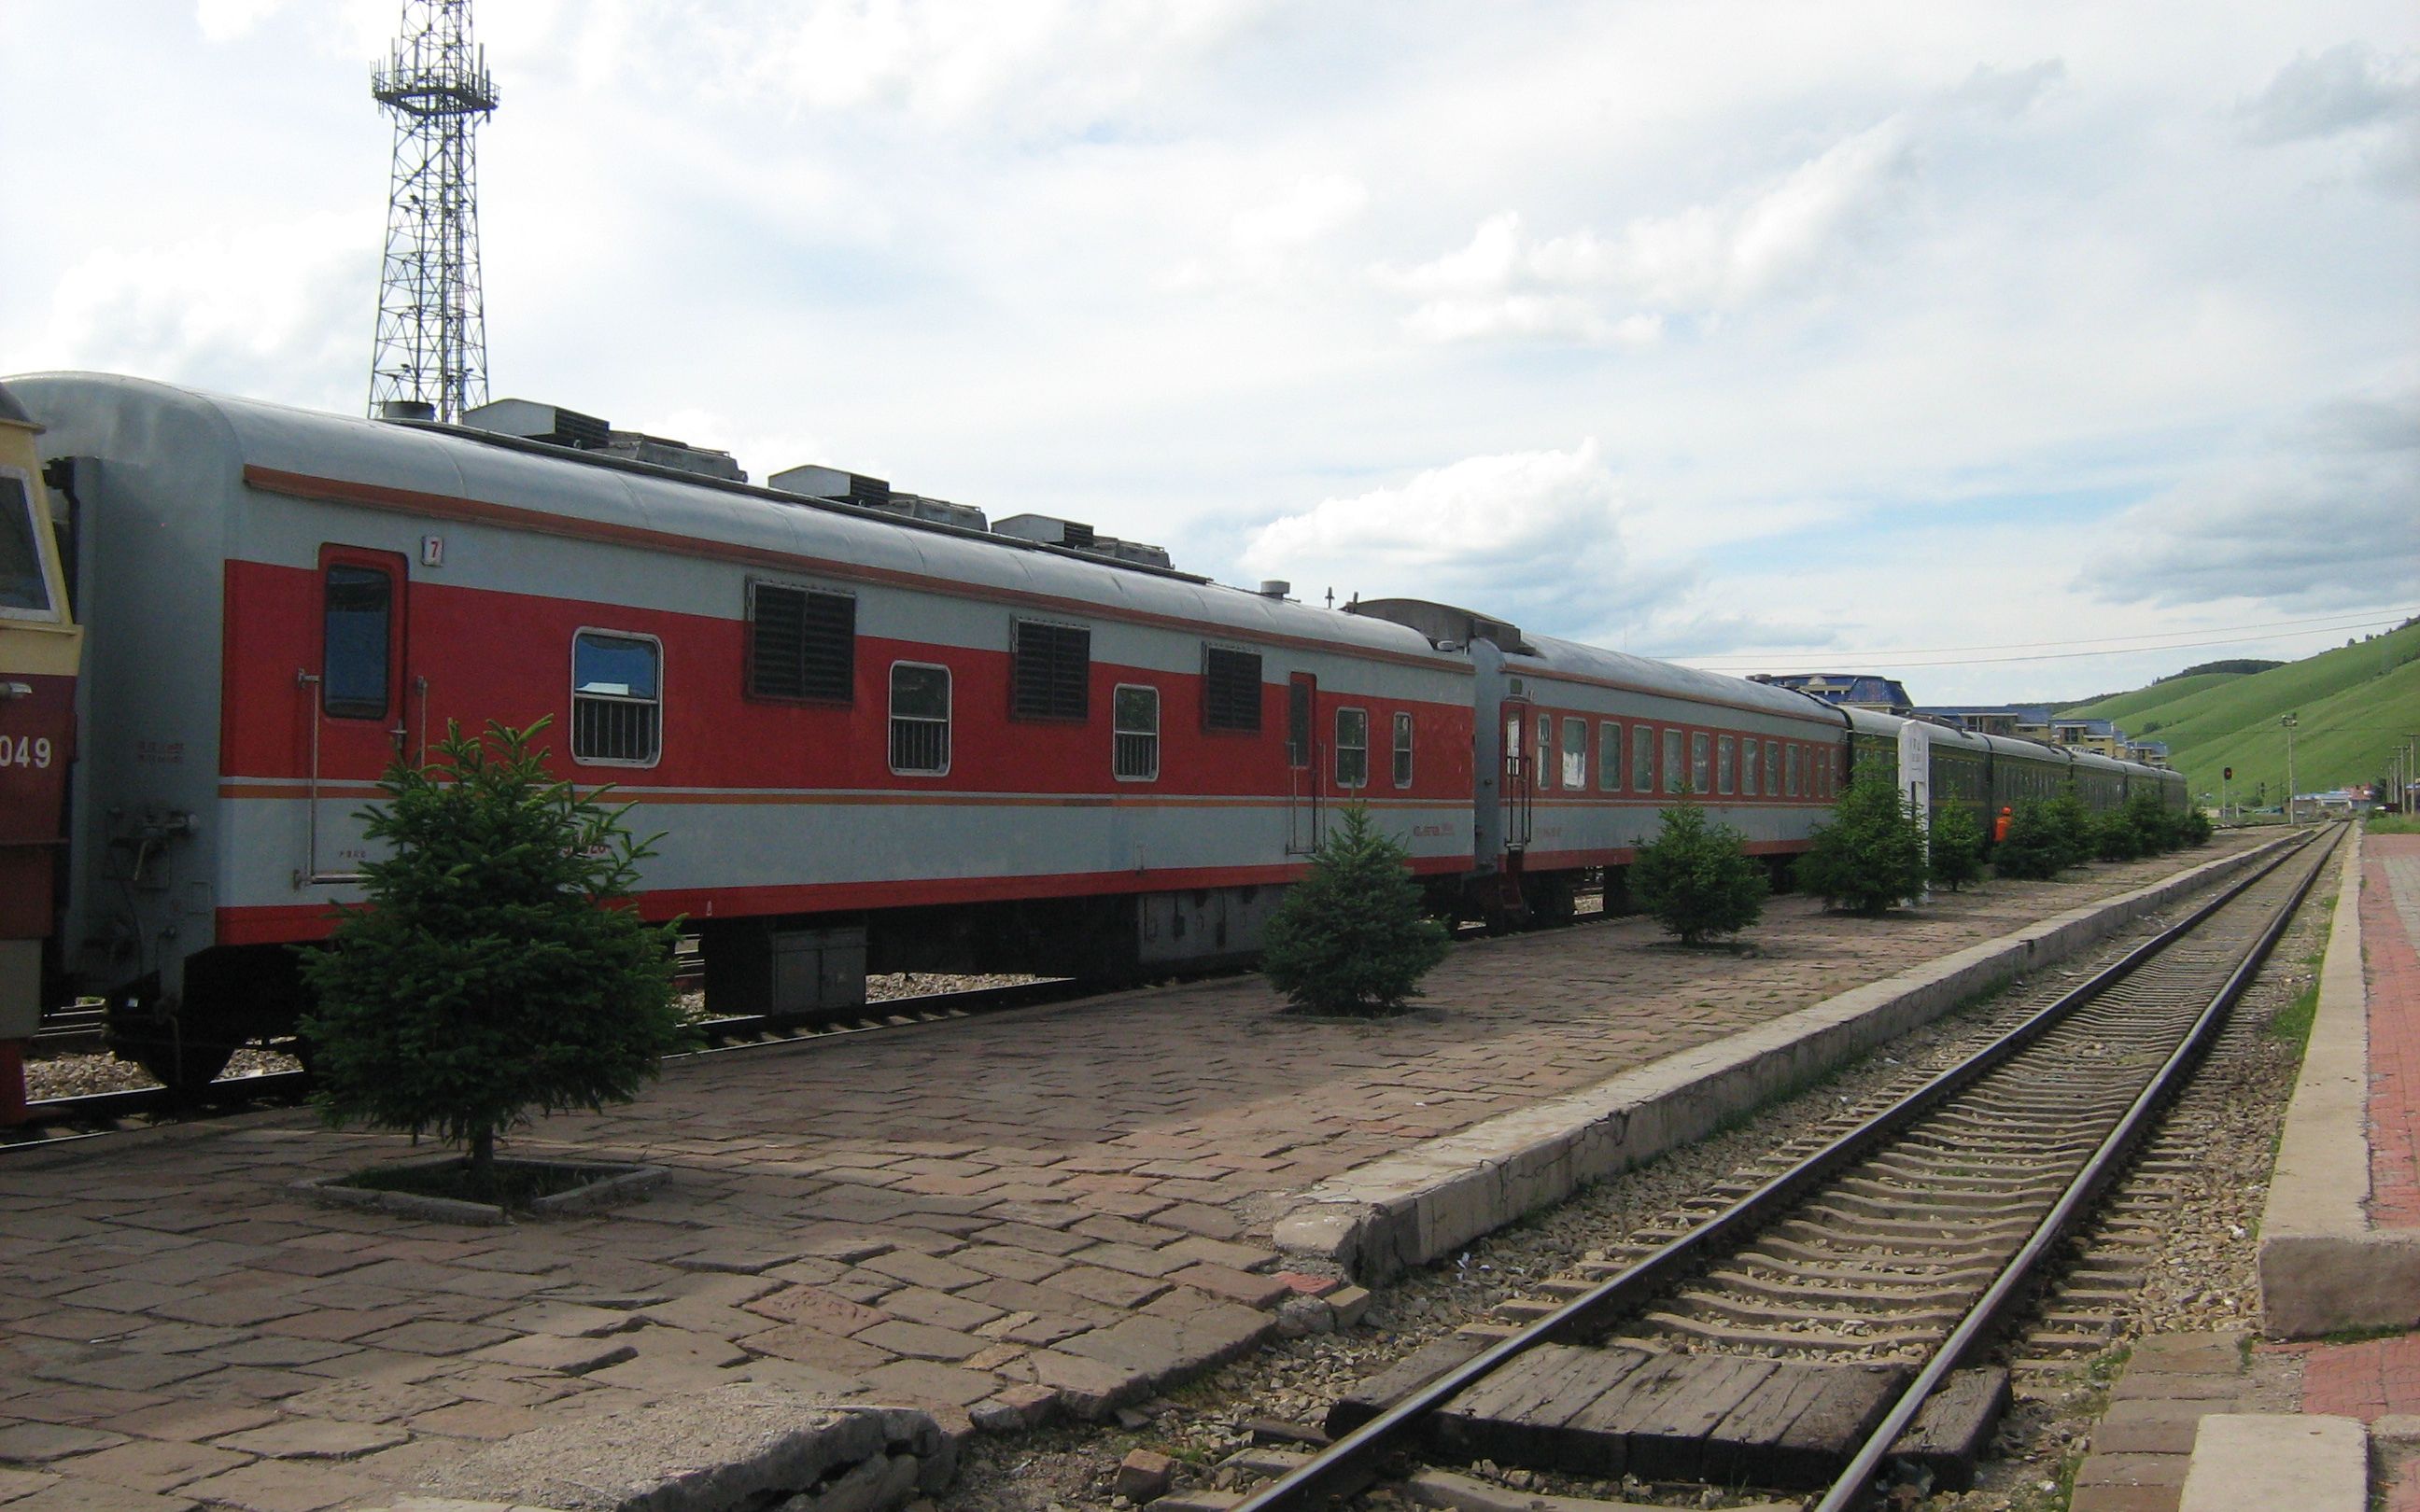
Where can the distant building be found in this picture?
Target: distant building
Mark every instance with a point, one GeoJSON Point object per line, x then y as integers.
{"type": "Point", "coordinates": [2035, 721]}
{"type": "Point", "coordinates": [1856, 690]}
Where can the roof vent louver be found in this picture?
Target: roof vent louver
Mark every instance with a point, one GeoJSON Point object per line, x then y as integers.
{"type": "Point", "coordinates": [532, 420]}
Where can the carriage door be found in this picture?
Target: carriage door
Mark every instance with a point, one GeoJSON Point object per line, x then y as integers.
{"type": "Point", "coordinates": [1303, 816]}
{"type": "Point", "coordinates": [1523, 757]}
{"type": "Point", "coordinates": [356, 703]}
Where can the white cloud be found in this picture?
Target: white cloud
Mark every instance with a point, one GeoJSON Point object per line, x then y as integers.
{"type": "Point", "coordinates": [2343, 89]}
{"type": "Point", "coordinates": [1705, 259]}
{"type": "Point", "coordinates": [224, 21]}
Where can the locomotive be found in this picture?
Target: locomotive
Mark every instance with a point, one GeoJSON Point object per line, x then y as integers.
{"type": "Point", "coordinates": [876, 731]}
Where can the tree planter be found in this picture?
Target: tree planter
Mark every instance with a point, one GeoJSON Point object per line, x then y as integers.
{"type": "Point", "coordinates": [592, 1185]}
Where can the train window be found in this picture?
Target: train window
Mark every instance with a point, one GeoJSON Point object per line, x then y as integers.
{"type": "Point", "coordinates": [1545, 775]}
{"type": "Point", "coordinates": [1725, 764]}
{"type": "Point", "coordinates": [1797, 767]}
{"type": "Point", "coordinates": [801, 643]}
{"type": "Point", "coordinates": [357, 636]}
{"type": "Point", "coordinates": [1134, 737]}
{"type": "Point", "coordinates": [1772, 768]}
{"type": "Point", "coordinates": [1642, 758]}
{"type": "Point", "coordinates": [1608, 757]}
{"type": "Point", "coordinates": [1052, 675]}
{"type": "Point", "coordinates": [1231, 690]}
{"type": "Point", "coordinates": [24, 589]}
{"type": "Point", "coordinates": [616, 698]}
{"type": "Point", "coordinates": [1574, 754]}
{"type": "Point", "coordinates": [1673, 782]}
{"type": "Point", "coordinates": [920, 718]}
{"type": "Point", "coordinates": [1352, 748]}
{"type": "Point", "coordinates": [1403, 750]}
{"type": "Point", "coordinates": [1701, 763]}
{"type": "Point", "coordinates": [1749, 749]}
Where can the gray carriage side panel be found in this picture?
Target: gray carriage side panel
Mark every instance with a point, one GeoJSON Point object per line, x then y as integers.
{"type": "Point", "coordinates": [143, 880]}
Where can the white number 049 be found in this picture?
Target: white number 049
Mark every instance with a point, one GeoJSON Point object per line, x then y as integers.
{"type": "Point", "coordinates": [24, 751]}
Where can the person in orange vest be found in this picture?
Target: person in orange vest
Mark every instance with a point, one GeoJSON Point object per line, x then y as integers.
{"type": "Point", "coordinates": [2000, 825]}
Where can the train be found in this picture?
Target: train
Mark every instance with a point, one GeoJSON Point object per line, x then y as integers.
{"type": "Point", "coordinates": [876, 731]}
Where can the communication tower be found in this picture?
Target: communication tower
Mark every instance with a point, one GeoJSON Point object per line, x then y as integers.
{"type": "Point", "coordinates": [431, 357]}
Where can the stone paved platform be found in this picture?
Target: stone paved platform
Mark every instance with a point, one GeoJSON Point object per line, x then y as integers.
{"type": "Point", "coordinates": [1057, 1211]}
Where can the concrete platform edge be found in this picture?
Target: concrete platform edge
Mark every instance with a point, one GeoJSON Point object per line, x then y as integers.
{"type": "Point", "coordinates": [1389, 1215]}
{"type": "Point", "coordinates": [2259, 1462]}
{"type": "Point", "coordinates": [2322, 1266]}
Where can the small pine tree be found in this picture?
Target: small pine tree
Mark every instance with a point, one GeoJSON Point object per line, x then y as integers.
{"type": "Point", "coordinates": [1871, 856]}
{"type": "Point", "coordinates": [2070, 823]}
{"type": "Point", "coordinates": [1957, 847]}
{"type": "Point", "coordinates": [1697, 878]}
{"type": "Point", "coordinates": [497, 966]}
{"type": "Point", "coordinates": [1350, 938]}
{"type": "Point", "coordinates": [2115, 837]}
{"type": "Point", "coordinates": [2156, 824]}
{"type": "Point", "coordinates": [2034, 848]}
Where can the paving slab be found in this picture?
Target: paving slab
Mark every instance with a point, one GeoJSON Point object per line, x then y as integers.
{"type": "Point", "coordinates": [1071, 1206]}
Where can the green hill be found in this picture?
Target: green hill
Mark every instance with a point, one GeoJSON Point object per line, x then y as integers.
{"type": "Point", "coordinates": [2132, 710]}
{"type": "Point", "coordinates": [2353, 703]}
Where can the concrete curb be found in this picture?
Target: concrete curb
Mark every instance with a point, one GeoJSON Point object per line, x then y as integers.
{"type": "Point", "coordinates": [1409, 1209]}
{"type": "Point", "coordinates": [2258, 1462]}
{"type": "Point", "coordinates": [2322, 1266]}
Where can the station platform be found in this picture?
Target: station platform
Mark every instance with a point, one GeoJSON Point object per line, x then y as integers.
{"type": "Point", "coordinates": [1055, 1212]}
{"type": "Point", "coordinates": [2340, 1235]}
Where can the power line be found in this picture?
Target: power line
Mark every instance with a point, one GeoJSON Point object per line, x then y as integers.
{"type": "Point", "coordinates": [1900, 658]}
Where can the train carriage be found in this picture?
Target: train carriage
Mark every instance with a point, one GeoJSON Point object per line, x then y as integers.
{"type": "Point", "coordinates": [884, 741]}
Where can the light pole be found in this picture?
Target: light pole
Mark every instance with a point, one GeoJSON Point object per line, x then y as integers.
{"type": "Point", "coordinates": [2289, 721]}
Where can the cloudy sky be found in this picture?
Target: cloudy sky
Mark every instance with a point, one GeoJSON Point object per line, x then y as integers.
{"type": "Point", "coordinates": [1965, 342]}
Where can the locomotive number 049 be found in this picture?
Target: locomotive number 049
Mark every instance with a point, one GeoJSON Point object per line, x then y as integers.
{"type": "Point", "coordinates": [24, 751]}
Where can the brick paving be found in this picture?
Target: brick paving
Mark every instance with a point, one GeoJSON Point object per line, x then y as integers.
{"type": "Point", "coordinates": [2390, 933]}
{"type": "Point", "coordinates": [972, 1216]}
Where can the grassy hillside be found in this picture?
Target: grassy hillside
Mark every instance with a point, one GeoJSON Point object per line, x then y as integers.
{"type": "Point", "coordinates": [2354, 702]}
{"type": "Point", "coordinates": [2131, 709]}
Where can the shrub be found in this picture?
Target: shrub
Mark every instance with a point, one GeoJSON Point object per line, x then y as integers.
{"type": "Point", "coordinates": [2115, 837]}
{"type": "Point", "coordinates": [1871, 855]}
{"type": "Point", "coordinates": [1697, 878]}
{"type": "Point", "coordinates": [497, 966]}
{"type": "Point", "coordinates": [2070, 824]}
{"type": "Point", "coordinates": [2033, 848]}
{"type": "Point", "coordinates": [1350, 937]}
{"type": "Point", "coordinates": [2158, 825]}
{"type": "Point", "coordinates": [1957, 846]}
{"type": "Point", "coordinates": [2194, 827]}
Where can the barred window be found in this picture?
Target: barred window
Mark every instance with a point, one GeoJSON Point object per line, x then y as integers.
{"type": "Point", "coordinates": [1702, 763]}
{"type": "Point", "coordinates": [616, 698]}
{"type": "Point", "coordinates": [1749, 749]}
{"type": "Point", "coordinates": [1352, 748]}
{"type": "Point", "coordinates": [1403, 750]}
{"type": "Point", "coordinates": [1134, 738]}
{"type": "Point", "coordinates": [1231, 690]}
{"type": "Point", "coordinates": [1673, 780]}
{"type": "Point", "coordinates": [1725, 764]}
{"type": "Point", "coordinates": [801, 643]}
{"type": "Point", "coordinates": [1053, 671]}
{"type": "Point", "coordinates": [1608, 757]}
{"type": "Point", "coordinates": [1642, 758]}
{"type": "Point", "coordinates": [1574, 754]}
{"type": "Point", "coordinates": [920, 718]}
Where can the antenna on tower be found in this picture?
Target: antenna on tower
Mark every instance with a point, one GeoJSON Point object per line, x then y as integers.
{"type": "Point", "coordinates": [431, 357]}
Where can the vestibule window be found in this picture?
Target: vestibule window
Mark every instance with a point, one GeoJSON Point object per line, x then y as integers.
{"type": "Point", "coordinates": [1134, 739]}
{"type": "Point", "coordinates": [920, 718]}
{"type": "Point", "coordinates": [616, 698]}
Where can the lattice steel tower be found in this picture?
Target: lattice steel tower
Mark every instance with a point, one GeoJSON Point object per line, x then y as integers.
{"type": "Point", "coordinates": [432, 332]}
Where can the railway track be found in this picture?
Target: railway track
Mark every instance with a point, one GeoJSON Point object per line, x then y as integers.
{"type": "Point", "coordinates": [1829, 1313]}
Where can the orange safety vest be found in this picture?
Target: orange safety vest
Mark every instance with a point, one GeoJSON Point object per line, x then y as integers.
{"type": "Point", "coordinates": [2000, 826]}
